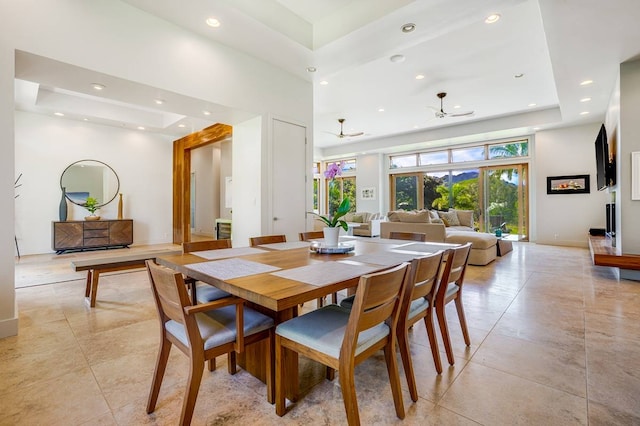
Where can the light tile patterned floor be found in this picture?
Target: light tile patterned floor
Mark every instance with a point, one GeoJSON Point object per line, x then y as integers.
{"type": "Point", "coordinates": [555, 341]}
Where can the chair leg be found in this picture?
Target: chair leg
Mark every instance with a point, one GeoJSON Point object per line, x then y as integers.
{"type": "Point", "coordinates": [232, 363]}
{"type": "Point", "coordinates": [330, 374]}
{"type": "Point", "coordinates": [463, 321]}
{"type": "Point", "coordinates": [271, 389]}
{"type": "Point", "coordinates": [161, 364]}
{"type": "Point", "coordinates": [193, 386]}
{"type": "Point", "coordinates": [281, 403]}
{"type": "Point", "coordinates": [348, 386]}
{"type": "Point", "coordinates": [433, 340]}
{"type": "Point", "coordinates": [211, 364]}
{"type": "Point", "coordinates": [334, 298]}
{"type": "Point", "coordinates": [192, 290]}
{"type": "Point", "coordinates": [394, 377]}
{"type": "Point", "coordinates": [407, 363]}
{"type": "Point", "coordinates": [320, 302]}
{"type": "Point", "coordinates": [444, 330]}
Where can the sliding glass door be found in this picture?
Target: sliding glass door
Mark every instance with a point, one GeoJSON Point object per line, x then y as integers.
{"type": "Point", "coordinates": [505, 201]}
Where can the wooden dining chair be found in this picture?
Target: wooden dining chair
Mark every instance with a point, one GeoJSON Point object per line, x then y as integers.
{"type": "Point", "coordinates": [267, 239]}
{"type": "Point", "coordinates": [412, 236]}
{"type": "Point", "coordinates": [203, 293]}
{"type": "Point", "coordinates": [201, 332]}
{"type": "Point", "coordinates": [317, 235]}
{"type": "Point", "coordinates": [450, 289]}
{"type": "Point", "coordinates": [417, 304]}
{"type": "Point", "coordinates": [342, 339]}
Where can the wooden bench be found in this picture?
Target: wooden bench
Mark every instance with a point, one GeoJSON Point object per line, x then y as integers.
{"type": "Point", "coordinates": [95, 267]}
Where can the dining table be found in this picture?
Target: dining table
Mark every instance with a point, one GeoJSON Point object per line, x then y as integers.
{"type": "Point", "coordinates": [278, 278]}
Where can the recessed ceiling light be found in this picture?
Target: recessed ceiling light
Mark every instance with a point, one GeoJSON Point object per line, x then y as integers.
{"type": "Point", "coordinates": [206, 112]}
{"type": "Point", "coordinates": [159, 101]}
{"type": "Point", "coordinates": [59, 114]}
{"type": "Point", "coordinates": [493, 18]}
{"type": "Point", "coordinates": [98, 86]}
{"type": "Point", "coordinates": [407, 28]}
{"type": "Point", "coordinates": [532, 104]}
{"type": "Point", "coordinates": [85, 119]}
{"type": "Point", "coordinates": [182, 125]}
{"type": "Point", "coordinates": [456, 107]}
{"type": "Point", "coordinates": [312, 69]}
{"type": "Point", "coordinates": [324, 82]}
{"type": "Point", "coordinates": [586, 82]}
{"type": "Point", "coordinates": [419, 77]}
{"type": "Point", "coordinates": [213, 22]}
{"type": "Point", "coordinates": [397, 58]}
{"type": "Point", "coordinates": [140, 128]}
{"type": "Point", "coordinates": [585, 99]}
{"type": "Point", "coordinates": [520, 75]}
{"type": "Point", "coordinates": [536, 128]}
{"type": "Point", "coordinates": [380, 109]}
{"type": "Point", "coordinates": [584, 113]}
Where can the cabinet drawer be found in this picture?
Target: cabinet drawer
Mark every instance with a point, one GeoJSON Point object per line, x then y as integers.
{"type": "Point", "coordinates": [96, 224]}
{"type": "Point", "coordinates": [93, 242]}
{"type": "Point", "coordinates": [96, 233]}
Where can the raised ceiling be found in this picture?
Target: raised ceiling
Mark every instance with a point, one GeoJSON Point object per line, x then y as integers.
{"type": "Point", "coordinates": [554, 44]}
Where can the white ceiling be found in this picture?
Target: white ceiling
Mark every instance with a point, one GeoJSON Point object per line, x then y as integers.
{"type": "Point", "coordinates": [555, 44]}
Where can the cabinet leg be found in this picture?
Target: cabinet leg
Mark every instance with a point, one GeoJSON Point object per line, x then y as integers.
{"type": "Point", "coordinates": [94, 287]}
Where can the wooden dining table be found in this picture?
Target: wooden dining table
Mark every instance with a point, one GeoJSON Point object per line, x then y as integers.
{"type": "Point", "coordinates": [277, 278]}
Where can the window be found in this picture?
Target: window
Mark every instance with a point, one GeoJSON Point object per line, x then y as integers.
{"type": "Point", "coordinates": [338, 189]}
{"type": "Point", "coordinates": [399, 161]}
{"type": "Point", "coordinates": [436, 157]}
{"type": "Point", "coordinates": [513, 149]}
{"type": "Point", "coordinates": [475, 153]}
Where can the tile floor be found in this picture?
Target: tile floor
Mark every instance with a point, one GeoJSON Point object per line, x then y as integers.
{"type": "Point", "coordinates": [555, 341]}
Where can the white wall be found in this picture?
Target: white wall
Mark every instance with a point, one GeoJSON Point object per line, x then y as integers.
{"type": "Point", "coordinates": [565, 219]}
{"type": "Point", "coordinates": [45, 146]}
{"type": "Point", "coordinates": [206, 190]}
{"type": "Point", "coordinates": [226, 168]}
{"type": "Point", "coordinates": [369, 175]}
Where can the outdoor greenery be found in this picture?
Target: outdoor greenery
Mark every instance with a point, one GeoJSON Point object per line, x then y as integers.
{"type": "Point", "coordinates": [340, 189]}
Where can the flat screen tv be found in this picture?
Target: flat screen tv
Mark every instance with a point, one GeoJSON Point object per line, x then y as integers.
{"type": "Point", "coordinates": [602, 160]}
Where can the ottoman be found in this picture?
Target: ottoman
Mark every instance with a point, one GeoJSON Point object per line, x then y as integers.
{"type": "Point", "coordinates": [483, 245]}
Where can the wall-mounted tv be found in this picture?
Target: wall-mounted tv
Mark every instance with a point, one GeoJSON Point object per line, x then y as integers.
{"type": "Point", "coordinates": [603, 168]}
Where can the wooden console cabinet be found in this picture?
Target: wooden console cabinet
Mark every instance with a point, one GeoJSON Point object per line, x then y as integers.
{"type": "Point", "coordinates": [603, 254]}
{"type": "Point", "coordinates": [91, 234]}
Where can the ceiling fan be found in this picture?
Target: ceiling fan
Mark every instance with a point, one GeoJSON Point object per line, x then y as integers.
{"type": "Point", "coordinates": [346, 135]}
{"type": "Point", "coordinates": [441, 114]}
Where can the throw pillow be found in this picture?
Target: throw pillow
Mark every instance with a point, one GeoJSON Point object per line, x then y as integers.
{"type": "Point", "coordinates": [451, 217]}
{"type": "Point", "coordinates": [393, 216]}
{"type": "Point", "coordinates": [445, 221]}
{"type": "Point", "coordinates": [438, 220]}
{"type": "Point", "coordinates": [433, 215]}
{"type": "Point", "coordinates": [465, 217]}
{"type": "Point", "coordinates": [421, 216]}
{"type": "Point", "coordinates": [357, 218]}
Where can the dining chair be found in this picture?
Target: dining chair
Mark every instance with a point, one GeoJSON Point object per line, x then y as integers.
{"type": "Point", "coordinates": [316, 235]}
{"type": "Point", "coordinates": [267, 239]}
{"type": "Point", "coordinates": [450, 289]}
{"type": "Point", "coordinates": [342, 339]}
{"type": "Point", "coordinates": [203, 293]}
{"type": "Point", "coordinates": [412, 236]}
{"type": "Point", "coordinates": [417, 304]}
{"type": "Point", "coordinates": [201, 332]}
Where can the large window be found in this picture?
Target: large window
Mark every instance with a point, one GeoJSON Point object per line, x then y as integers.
{"type": "Point", "coordinates": [496, 192]}
{"type": "Point", "coordinates": [341, 186]}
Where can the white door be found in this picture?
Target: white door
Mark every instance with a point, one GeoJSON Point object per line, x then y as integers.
{"type": "Point", "coordinates": [289, 169]}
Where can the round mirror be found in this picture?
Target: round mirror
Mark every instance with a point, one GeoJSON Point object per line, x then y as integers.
{"type": "Point", "coordinates": [90, 178]}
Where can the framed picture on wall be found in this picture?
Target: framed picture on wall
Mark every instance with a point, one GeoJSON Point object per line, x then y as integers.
{"type": "Point", "coordinates": [574, 184]}
{"type": "Point", "coordinates": [368, 193]}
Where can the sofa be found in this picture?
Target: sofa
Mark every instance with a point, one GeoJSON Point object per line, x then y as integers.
{"type": "Point", "coordinates": [368, 223]}
{"type": "Point", "coordinates": [454, 226]}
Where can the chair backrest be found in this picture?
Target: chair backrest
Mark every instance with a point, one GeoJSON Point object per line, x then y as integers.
{"type": "Point", "coordinates": [425, 272]}
{"type": "Point", "coordinates": [170, 294]}
{"type": "Point", "coordinates": [192, 246]}
{"type": "Point", "coordinates": [454, 270]}
{"type": "Point", "coordinates": [267, 239]}
{"type": "Point", "coordinates": [377, 300]}
{"type": "Point", "coordinates": [413, 236]}
{"type": "Point", "coordinates": [311, 235]}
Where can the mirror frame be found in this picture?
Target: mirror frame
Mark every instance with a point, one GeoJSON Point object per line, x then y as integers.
{"type": "Point", "coordinates": [93, 161]}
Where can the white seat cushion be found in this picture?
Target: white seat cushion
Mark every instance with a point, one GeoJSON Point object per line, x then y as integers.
{"type": "Point", "coordinates": [323, 330]}
{"type": "Point", "coordinates": [208, 293]}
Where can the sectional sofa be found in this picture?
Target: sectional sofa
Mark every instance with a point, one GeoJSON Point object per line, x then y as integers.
{"type": "Point", "coordinates": [454, 226]}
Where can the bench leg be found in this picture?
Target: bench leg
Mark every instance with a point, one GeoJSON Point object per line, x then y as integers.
{"type": "Point", "coordinates": [94, 287]}
{"type": "Point", "coordinates": [87, 291]}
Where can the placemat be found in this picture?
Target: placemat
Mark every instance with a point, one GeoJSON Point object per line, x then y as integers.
{"type": "Point", "coordinates": [231, 268]}
{"type": "Point", "coordinates": [325, 273]}
{"type": "Point", "coordinates": [228, 252]}
{"type": "Point", "coordinates": [424, 247]}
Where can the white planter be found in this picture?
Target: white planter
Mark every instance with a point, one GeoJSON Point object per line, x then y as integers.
{"type": "Point", "coordinates": [331, 236]}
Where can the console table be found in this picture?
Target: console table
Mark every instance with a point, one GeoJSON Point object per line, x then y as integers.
{"type": "Point", "coordinates": [91, 234]}
{"type": "Point", "coordinates": [603, 254]}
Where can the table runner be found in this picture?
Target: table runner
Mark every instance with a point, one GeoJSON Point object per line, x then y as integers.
{"type": "Point", "coordinates": [227, 269]}
{"type": "Point", "coordinates": [325, 273]}
{"type": "Point", "coordinates": [228, 252]}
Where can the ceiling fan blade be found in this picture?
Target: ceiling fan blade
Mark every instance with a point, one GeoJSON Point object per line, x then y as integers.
{"type": "Point", "coordinates": [353, 135]}
{"type": "Point", "coordinates": [460, 114]}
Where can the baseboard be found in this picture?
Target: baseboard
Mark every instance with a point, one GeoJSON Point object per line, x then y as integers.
{"type": "Point", "coordinates": [9, 327]}
{"type": "Point", "coordinates": [564, 243]}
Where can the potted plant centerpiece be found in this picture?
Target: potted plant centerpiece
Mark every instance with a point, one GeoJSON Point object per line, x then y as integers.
{"type": "Point", "coordinates": [334, 222]}
{"type": "Point", "coordinates": [91, 205]}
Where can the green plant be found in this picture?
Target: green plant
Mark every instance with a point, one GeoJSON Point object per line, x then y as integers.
{"type": "Point", "coordinates": [91, 205]}
{"type": "Point", "coordinates": [335, 221]}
